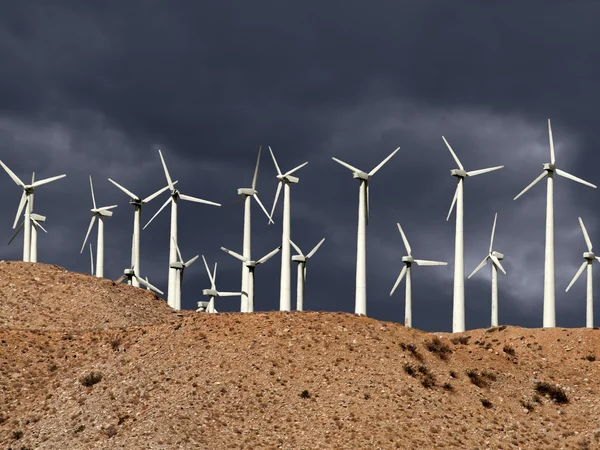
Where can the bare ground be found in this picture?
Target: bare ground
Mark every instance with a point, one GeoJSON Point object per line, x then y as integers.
{"type": "Point", "coordinates": [152, 379]}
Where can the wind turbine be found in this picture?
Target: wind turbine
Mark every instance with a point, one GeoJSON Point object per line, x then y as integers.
{"type": "Point", "coordinates": [363, 220]}
{"type": "Point", "coordinates": [36, 222]}
{"type": "Point", "coordinates": [301, 260]}
{"type": "Point", "coordinates": [549, 170]}
{"type": "Point", "coordinates": [130, 274]}
{"type": "Point", "coordinates": [248, 194]}
{"type": "Point", "coordinates": [495, 257]}
{"type": "Point", "coordinates": [212, 292]}
{"type": "Point", "coordinates": [28, 190]}
{"type": "Point", "coordinates": [251, 266]}
{"type": "Point", "coordinates": [406, 271]}
{"type": "Point", "coordinates": [589, 259]}
{"type": "Point", "coordinates": [285, 179]}
{"type": "Point", "coordinates": [175, 197]}
{"type": "Point", "coordinates": [137, 203]}
{"type": "Point", "coordinates": [458, 307]}
{"type": "Point", "coordinates": [179, 267]}
{"type": "Point", "coordinates": [101, 214]}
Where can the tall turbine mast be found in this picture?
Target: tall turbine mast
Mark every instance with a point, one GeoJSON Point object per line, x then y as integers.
{"type": "Point", "coordinates": [285, 292]}
{"type": "Point", "coordinates": [212, 292]}
{"type": "Point", "coordinates": [458, 308]}
{"type": "Point", "coordinates": [301, 259]}
{"type": "Point", "coordinates": [549, 288]}
{"type": "Point", "coordinates": [360, 306]}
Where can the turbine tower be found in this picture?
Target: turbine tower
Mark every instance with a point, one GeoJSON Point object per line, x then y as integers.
{"type": "Point", "coordinates": [179, 267]}
{"type": "Point", "coordinates": [251, 266]}
{"type": "Point", "coordinates": [495, 257]}
{"type": "Point", "coordinates": [363, 220]}
{"type": "Point", "coordinates": [137, 203]}
{"type": "Point", "coordinates": [406, 271]}
{"type": "Point", "coordinates": [248, 194]}
{"type": "Point", "coordinates": [301, 260]}
{"type": "Point", "coordinates": [212, 292]}
{"type": "Point", "coordinates": [101, 214]}
{"type": "Point", "coordinates": [36, 222]}
{"type": "Point", "coordinates": [175, 197]}
{"type": "Point", "coordinates": [549, 289]}
{"type": "Point", "coordinates": [285, 292]}
{"type": "Point", "coordinates": [26, 199]}
{"type": "Point", "coordinates": [589, 259]}
{"type": "Point", "coordinates": [458, 307]}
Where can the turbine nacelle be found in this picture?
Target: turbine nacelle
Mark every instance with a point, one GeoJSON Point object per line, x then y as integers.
{"type": "Point", "coordinates": [498, 255]}
{"type": "Point", "coordinates": [459, 173]}
{"type": "Point", "coordinates": [288, 179]}
{"type": "Point", "coordinates": [549, 167]}
{"type": "Point", "coordinates": [361, 176]}
{"type": "Point", "coordinates": [177, 265]}
{"type": "Point", "coordinates": [129, 272]}
{"type": "Point", "coordinates": [589, 256]}
{"type": "Point", "coordinates": [299, 258]}
{"type": "Point", "coordinates": [408, 259]}
{"type": "Point", "coordinates": [136, 202]}
{"type": "Point", "coordinates": [38, 217]}
{"type": "Point", "coordinates": [101, 212]}
{"type": "Point", "coordinates": [248, 192]}
{"type": "Point", "coordinates": [250, 264]}
{"type": "Point", "coordinates": [210, 292]}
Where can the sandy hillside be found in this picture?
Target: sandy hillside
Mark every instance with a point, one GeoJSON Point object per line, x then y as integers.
{"type": "Point", "coordinates": [278, 380]}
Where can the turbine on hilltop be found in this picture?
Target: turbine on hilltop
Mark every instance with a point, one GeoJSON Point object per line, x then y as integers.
{"type": "Point", "coordinates": [212, 292]}
{"type": "Point", "coordinates": [458, 306]}
{"type": "Point", "coordinates": [549, 288]}
{"type": "Point", "coordinates": [360, 306]}
{"type": "Point", "coordinates": [301, 260]}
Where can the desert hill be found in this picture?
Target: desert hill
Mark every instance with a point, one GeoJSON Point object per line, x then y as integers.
{"type": "Point", "coordinates": [274, 380]}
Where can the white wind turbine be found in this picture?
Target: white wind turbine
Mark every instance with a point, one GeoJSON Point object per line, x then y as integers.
{"type": "Point", "coordinates": [549, 288]}
{"type": "Point", "coordinates": [589, 257]}
{"type": "Point", "coordinates": [458, 306]}
{"type": "Point", "coordinates": [36, 222]}
{"type": "Point", "coordinates": [248, 194]}
{"type": "Point", "coordinates": [301, 260]}
{"type": "Point", "coordinates": [101, 214]}
{"type": "Point", "coordinates": [406, 271]}
{"type": "Point", "coordinates": [26, 199]}
{"type": "Point", "coordinates": [363, 220]}
{"type": "Point", "coordinates": [130, 274]}
{"type": "Point", "coordinates": [495, 257]}
{"type": "Point", "coordinates": [285, 179]}
{"type": "Point", "coordinates": [137, 203]}
{"type": "Point", "coordinates": [179, 267]}
{"type": "Point", "coordinates": [251, 266]}
{"type": "Point", "coordinates": [212, 292]}
{"type": "Point", "coordinates": [175, 197]}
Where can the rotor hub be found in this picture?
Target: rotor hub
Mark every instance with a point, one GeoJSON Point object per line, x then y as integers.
{"type": "Point", "coordinates": [498, 255]}
{"type": "Point", "coordinates": [549, 167]}
{"type": "Point", "coordinates": [459, 173]}
{"type": "Point", "coordinates": [250, 264]}
{"type": "Point", "coordinates": [136, 202]}
{"type": "Point", "coordinates": [29, 189]}
{"type": "Point", "coordinates": [589, 256]}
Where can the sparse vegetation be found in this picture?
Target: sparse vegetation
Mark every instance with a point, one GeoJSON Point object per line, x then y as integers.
{"type": "Point", "coordinates": [439, 348]}
{"type": "Point", "coordinates": [509, 350]}
{"type": "Point", "coordinates": [590, 357]}
{"type": "Point", "coordinates": [91, 379]}
{"type": "Point", "coordinates": [556, 393]}
{"type": "Point", "coordinates": [492, 329]}
{"type": "Point", "coordinates": [486, 403]}
{"type": "Point", "coordinates": [453, 374]}
{"type": "Point", "coordinates": [17, 434]}
{"type": "Point", "coordinates": [448, 387]}
{"type": "Point", "coordinates": [305, 394]}
{"type": "Point", "coordinates": [463, 340]}
{"type": "Point", "coordinates": [79, 429]}
{"type": "Point", "coordinates": [412, 349]}
{"type": "Point", "coordinates": [110, 431]}
{"type": "Point", "coordinates": [410, 370]}
{"type": "Point", "coordinates": [527, 405]}
{"type": "Point", "coordinates": [482, 379]}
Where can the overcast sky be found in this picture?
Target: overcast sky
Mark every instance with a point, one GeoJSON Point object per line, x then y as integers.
{"type": "Point", "coordinates": [95, 88]}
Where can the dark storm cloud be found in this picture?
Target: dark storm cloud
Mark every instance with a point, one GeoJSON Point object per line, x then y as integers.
{"type": "Point", "coordinates": [96, 88]}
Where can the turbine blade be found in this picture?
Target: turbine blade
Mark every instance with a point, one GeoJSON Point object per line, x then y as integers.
{"type": "Point", "coordinates": [381, 164]}
{"type": "Point", "coordinates": [493, 232]}
{"type": "Point", "coordinates": [460, 166]}
{"type": "Point", "coordinates": [191, 261]}
{"type": "Point", "coordinates": [88, 233]}
{"type": "Point", "coordinates": [148, 285]}
{"type": "Point", "coordinates": [169, 182]}
{"type": "Point", "coordinates": [552, 156]}
{"type": "Point", "coordinates": [256, 168]}
{"type": "Point", "coordinates": [16, 232]}
{"type": "Point", "coordinates": [268, 256]}
{"type": "Point", "coordinates": [234, 254]}
{"type": "Point", "coordinates": [157, 193]}
{"type": "Point", "coordinates": [106, 208]}
{"type": "Point", "coordinates": [406, 244]}
{"type": "Point", "coordinates": [425, 262]}
{"type": "Point", "coordinates": [91, 260]}
{"type": "Point", "coordinates": [296, 248]}
{"type": "Point", "coordinates": [92, 189]}
{"type": "Point", "coordinates": [296, 169]}
{"type": "Point", "coordinates": [158, 212]}
{"type": "Point", "coordinates": [131, 194]}
{"type": "Point", "coordinates": [11, 174]}
{"type": "Point", "coordinates": [398, 280]}
{"type": "Point", "coordinates": [577, 275]}
{"type": "Point", "coordinates": [208, 272]}
{"type": "Point", "coordinates": [473, 173]}
{"type": "Point", "coordinates": [314, 250]}
{"type": "Point", "coordinates": [585, 235]}
{"type": "Point", "coordinates": [121, 279]}
{"type": "Point", "coordinates": [214, 278]}
{"type": "Point", "coordinates": [39, 225]}
{"type": "Point", "coordinates": [497, 262]}
{"type": "Point", "coordinates": [564, 174]}
{"type": "Point", "coordinates": [453, 202]}
{"type": "Point", "coordinates": [22, 203]}
{"type": "Point", "coordinates": [534, 182]}
{"type": "Point", "coordinates": [229, 294]}
{"type": "Point", "coordinates": [275, 201]}
{"type": "Point", "coordinates": [481, 264]}
{"type": "Point", "coordinates": [346, 165]}
{"type": "Point", "coordinates": [275, 161]}
{"type": "Point", "coordinates": [367, 200]}
{"type": "Point", "coordinates": [263, 208]}
{"type": "Point", "coordinates": [48, 180]}
{"type": "Point", "coordinates": [177, 248]}
{"type": "Point", "coordinates": [197, 200]}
